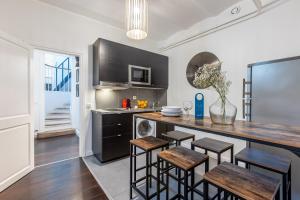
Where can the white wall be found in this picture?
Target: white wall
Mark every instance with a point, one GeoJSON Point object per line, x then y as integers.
{"type": "Point", "coordinates": [49, 27]}
{"type": "Point", "coordinates": [75, 101]}
{"type": "Point", "coordinates": [56, 99]}
{"type": "Point", "coordinates": [272, 35]}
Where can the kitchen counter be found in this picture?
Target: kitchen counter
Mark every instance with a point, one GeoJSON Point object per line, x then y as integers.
{"type": "Point", "coordinates": [287, 137]}
{"type": "Point", "coordinates": [139, 110]}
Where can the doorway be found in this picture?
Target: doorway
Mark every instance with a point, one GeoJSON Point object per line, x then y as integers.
{"type": "Point", "coordinates": [57, 106]}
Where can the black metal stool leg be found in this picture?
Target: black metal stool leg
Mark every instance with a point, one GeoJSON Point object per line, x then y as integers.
{"type": "Point", "coordinates": [192, 183]}
{"type": "Point", "coordinates": [162, 167]}
{"type": "Point", "coordinates": [277, 197]}
{"type": "Point", "coordinates": [225, 195]}
{"type": "Point", "coordinates": [147, 175]}
{"type": "Point", "coordinates": [186, 184]}
{"type": "Point", "coordinates": [284, 188]}
{"type": "Point", "coordinates": [150, 168]}
{"type": "Point", "coordinates": [219, 190]}
{"type": "Point", "coordinates": [131, 151]}
{"type": "Point", "coordinates": [176, 144]}
{"type": "Point", "coordinates": [205, 190]}
{"type": "Point", "coordinates": [231, 150]}
{"type": "Point", "coordinates": [134, 165]}
{"type": "Point", "coordinates": [167, 181]}
{"type": "Point", "coordinates": [290, 184]}
{"type": "Point", "coordinates": [236, 162]}
{"type": "Point", "coordinates": [179, 182]}
{"type": "Point", "coordinates": [158, 178]}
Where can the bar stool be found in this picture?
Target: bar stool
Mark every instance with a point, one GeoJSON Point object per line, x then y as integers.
{"type": "Point", "coordinates": [178, 136]}
{"type": "Point", "coordinates": [185, 160]}
{"type": "Point", "coordinates": [241, 183]}
{"type": "Point", "coordinates": [147, 144]}
{"type": "Point", "coordinates": [214, 146]}
{"type": "Point", "coordinates": [268, 161]}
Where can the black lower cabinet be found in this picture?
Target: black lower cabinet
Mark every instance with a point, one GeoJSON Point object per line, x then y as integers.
{"type": "Point", "coordinates": [111, 135]}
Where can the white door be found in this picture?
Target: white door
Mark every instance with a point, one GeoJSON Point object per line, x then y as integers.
{"type": "Point", "coordinates": [16, 111]}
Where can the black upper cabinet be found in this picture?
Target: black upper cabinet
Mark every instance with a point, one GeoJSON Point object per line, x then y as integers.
{"type": "Point", "coordinates": [111, 62]}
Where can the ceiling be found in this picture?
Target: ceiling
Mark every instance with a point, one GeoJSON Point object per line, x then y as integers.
{"type": "Point", "coordinates": [166, 17]}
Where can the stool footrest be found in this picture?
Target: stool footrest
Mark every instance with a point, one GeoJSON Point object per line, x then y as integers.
{"type": "Point", "coordinates": [144, 167]}
{"type": "Point", "coordinates": [143, 195]}
{"type": "Point", "coordinates": [138, 154]}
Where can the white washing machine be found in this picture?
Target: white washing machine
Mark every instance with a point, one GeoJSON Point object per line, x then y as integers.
{"type": "Point", "coordinates": [145, 128]}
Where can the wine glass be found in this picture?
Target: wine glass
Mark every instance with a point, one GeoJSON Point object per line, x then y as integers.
{"type": "Point", "coordinates": [187, 106]}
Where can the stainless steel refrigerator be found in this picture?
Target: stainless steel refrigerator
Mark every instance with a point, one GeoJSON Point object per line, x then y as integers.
{"type": "Point", "coordinates": [275, 98]}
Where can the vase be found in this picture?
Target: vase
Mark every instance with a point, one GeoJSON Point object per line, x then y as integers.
{"type": "Point", "coordinates": [222, 112]}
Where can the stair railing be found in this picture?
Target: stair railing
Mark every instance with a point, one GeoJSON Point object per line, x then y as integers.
{"type": "Point", "coordinates": [62, 69]}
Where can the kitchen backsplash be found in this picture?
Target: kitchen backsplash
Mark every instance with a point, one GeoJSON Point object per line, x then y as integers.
{"type": "Point", "coordinates": [113, 98]}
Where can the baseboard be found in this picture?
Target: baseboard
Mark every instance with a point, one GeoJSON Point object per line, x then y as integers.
{"type": "Point", "coordinates": [89, 153]}
{"type": "Point", "coordinates": [77, 132]}
{"type": "Point", "coordinates": [56, 133]}
{"type": "Point", "coordinates": [14, 178]}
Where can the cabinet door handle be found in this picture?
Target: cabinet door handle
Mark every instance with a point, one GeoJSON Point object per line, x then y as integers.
{"type": "Point", "coordinates": [119, 135]}
{"type": "Point", "coordinates": [119, 124]}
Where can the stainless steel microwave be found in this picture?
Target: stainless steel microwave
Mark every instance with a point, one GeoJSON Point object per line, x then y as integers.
{"type": "Point", "coordinates": [139, 75]}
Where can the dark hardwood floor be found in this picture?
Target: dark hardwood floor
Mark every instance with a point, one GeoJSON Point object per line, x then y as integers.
{"type": "Point", "coordinates": [64, 180]}
{"type": "Point", "coordinates": [55, 149]}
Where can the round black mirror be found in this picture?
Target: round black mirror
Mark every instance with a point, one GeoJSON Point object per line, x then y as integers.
{"type": "Point", "coordinates": [196, 63]}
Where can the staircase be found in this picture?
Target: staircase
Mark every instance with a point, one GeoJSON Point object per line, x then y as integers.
{"type": "Point", "coordinates": [58, 123]}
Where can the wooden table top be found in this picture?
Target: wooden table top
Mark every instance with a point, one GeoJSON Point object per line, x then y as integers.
{"type": "Point", "coordinates": [284, 136]}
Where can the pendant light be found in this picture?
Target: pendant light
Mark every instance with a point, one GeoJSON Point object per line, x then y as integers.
{"type": "Point", "coordinates": [137, 19]}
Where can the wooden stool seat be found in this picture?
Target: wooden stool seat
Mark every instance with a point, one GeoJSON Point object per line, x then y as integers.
{"type": "Point", "coordinates": [270, 162]}
{"type": "Point", "coordinates": [242, 183]}
{"type": "Point", "coordinates": [183, 158]}
{"type": "Point", "coordinates": [264, 160]}
{"type": "Point", "coordinates": [213, 145]}
{"type": "Point", "coordinates": [179, 136]}
{"type": "Point", "coordinates": [149, 143]}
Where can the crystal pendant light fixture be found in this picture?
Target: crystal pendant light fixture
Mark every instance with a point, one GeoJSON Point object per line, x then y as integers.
{"type": "Point", "coordinates": [137, 19]}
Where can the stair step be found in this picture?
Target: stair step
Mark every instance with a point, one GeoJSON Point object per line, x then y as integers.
{"type": "Point", "coordinates": [57, 127]}
{"type": "Point", "coordinates": [56, 133]}
{"type": "Point", "coordinates": [56, 122]}
{"type": "Point", "coordinates": [63, 108]}
{"type": "Point", "coordinates": [57, 117]}
{"type": "Point", "coordinates": [60, 112]}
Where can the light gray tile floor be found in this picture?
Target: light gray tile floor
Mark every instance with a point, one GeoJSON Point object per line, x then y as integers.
{"type": "Point", "coordinates": [113, 177]}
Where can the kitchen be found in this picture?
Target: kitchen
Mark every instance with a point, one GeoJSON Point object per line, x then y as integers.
{"type": "Point", "coordinates": [199, 103]}
{"type": "Point", "coordinates": [118, 107]}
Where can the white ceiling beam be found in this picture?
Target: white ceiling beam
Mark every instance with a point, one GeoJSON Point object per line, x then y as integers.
{"type": "Point", "coordinates": [258, 4]}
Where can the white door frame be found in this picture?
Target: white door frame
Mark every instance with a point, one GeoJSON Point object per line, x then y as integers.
{"type": "Point", "coordinates": [83, 73]}
{"type": "Point", "coordinates": [20, 120]}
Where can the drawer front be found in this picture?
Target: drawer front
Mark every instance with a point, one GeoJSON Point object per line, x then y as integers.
{"type": "Point", "coordinates": [115, 147]}
{"type": "Point", "coordinates": [117, 124]}
{"type": "Point", "coordinates": [111, 119]}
